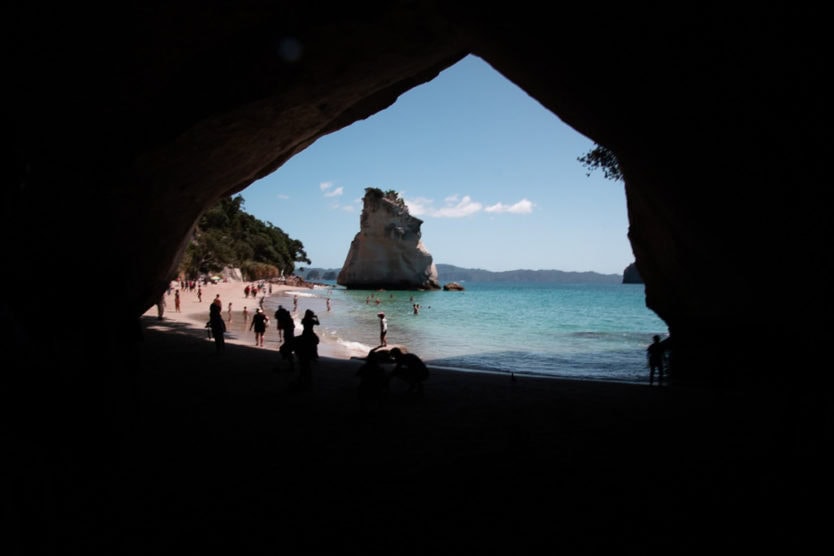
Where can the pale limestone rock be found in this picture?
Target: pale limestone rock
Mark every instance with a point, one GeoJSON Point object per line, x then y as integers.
{"type": "Point", "coordinates": [387, 252]}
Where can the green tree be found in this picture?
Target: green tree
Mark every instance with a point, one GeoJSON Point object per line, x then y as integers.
{"type": "Point", "coordinates": [226, 235]}
{"type": "Point", "coordinates": [602, 158]}
{"type": "Point", "coordinates": [390, 194]}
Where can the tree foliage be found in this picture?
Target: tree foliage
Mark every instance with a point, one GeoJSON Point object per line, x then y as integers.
{"type": "Point", "coordinates": [225, 235]}
{"type": "Point", "coordinates": [601, 158]}
{"type": "Point", "coordinates": [390, 194]}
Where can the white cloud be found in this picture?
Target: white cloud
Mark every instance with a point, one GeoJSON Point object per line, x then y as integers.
{"type": "Point", "coordinates": [459, 207]}
{"type": "Point", "coordinates": [325, 185]}
{"type": "Point", "coordinates": [522, 207]}
{"type": "Point", "coordinates": [334, 193]}
{"type": "Point", "coordinates": [419, 206]}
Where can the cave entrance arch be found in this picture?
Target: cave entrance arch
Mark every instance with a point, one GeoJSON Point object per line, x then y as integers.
{"type": "Point", "coordinates": [490, 171]}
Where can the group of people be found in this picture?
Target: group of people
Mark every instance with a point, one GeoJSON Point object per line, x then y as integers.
{"type": "Point", "coordinates": [408, 366]}
{"type": "Point", "coordinates": [303, 347]}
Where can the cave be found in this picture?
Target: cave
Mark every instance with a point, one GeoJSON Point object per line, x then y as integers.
{"type": "Point", "coordinates": [124, 125]}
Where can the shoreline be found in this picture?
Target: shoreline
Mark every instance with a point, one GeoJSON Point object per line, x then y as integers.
{"type": "Point", "coordinates": [476, 447]}
{"type": "Point", "coordinates": [214, 439]}
{"type": "Point", "coordinates": [195, 314]}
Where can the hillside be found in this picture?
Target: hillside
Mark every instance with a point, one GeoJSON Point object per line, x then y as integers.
{"type": "Point", "coordinates": [450, 273]}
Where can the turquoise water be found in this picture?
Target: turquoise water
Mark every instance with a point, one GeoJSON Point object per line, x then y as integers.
{"type": "Point", "coordinates": [581, 331]}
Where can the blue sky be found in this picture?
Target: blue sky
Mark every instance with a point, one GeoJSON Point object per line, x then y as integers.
{"type": "Point", "coordinates": [493, 175]}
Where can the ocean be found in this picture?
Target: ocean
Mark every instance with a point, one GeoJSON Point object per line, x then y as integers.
{"type": "Point", "coordinates": [578, 331]}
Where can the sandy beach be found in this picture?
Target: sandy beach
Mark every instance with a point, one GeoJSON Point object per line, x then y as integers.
{"type": "Point", "coordinates": [222, 454]}
{"type": "Point", "coordinates": [194, 312]}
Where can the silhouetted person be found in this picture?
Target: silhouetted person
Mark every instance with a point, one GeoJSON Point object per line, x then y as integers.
{"type": "Point", "coordinates": [309, 320]}
{"type": "Point", "coordinates": [306, 349]}
{"type": "Point", "coordinates": [373, 385]}
{"type": "Point", "coordinates": [217, 326]}
{"type": "Point", "coordinates": [258, 324]}
{"type": "Point", "coordinates": [654, 353]}
{"type": "Point", "coordinates": [410, 369]}
{"type": "Point", "coordinates": [280, 318]}
{"type": "Point", "coordinates": [286, 324]}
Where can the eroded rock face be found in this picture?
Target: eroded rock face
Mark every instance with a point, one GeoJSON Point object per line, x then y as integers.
{"type": "Point", "coordinates": [387, 252]}
{"type": "Point", "coordinates": [722, 127]}
{"type": "Point", "coordinates": [123, 126]}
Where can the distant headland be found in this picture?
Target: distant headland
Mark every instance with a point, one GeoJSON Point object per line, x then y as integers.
{"type": "Point", "coordinates": [450, 273]}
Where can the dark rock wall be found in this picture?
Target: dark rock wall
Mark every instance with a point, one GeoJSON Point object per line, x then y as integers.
{"type": "Point", "coordinates": [123, 123]}
{"type": "Point", "coordinates": [123, 128]}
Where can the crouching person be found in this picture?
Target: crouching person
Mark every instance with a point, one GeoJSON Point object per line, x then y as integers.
{"type": "Point", "coordinates": [373, 386]}
{"type": "Point", "coordinates": [410, 369]}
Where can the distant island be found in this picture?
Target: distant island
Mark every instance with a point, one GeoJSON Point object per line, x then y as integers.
{"type": "Point", "coordinates": [450, 273]}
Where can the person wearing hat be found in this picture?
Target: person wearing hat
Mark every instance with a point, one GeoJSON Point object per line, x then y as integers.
{"type": "Point", "coordinates": [307, 351]}
{"type": "Point", "coordinates": [383, 329]}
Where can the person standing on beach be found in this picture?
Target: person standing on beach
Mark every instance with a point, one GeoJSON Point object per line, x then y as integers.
{"type": "Point", "coordinates": [308, 335]}
{"type": "Point", "coordinates": [177, 301]}
{"type": "Point", "coordinates": [286, 324]}
{"type": "Point", "coordinates": [245, 316]}
{"type": "Point", "coordinates": [259, 322]}
{"type": "Point", "coordinates": [654, 353]}
{"type": "Point", "coordinates": [217, 327]}
{"type": "Point", "coordinates": [160, 307]}
{"type": "Point", "coordinates": [383, 329]}
{"type": "Point", "coordinates": [306, 349]}
{"type": "Point", "coordinates": [229, 313]}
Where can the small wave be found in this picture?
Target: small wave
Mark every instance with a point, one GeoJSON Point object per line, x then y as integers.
{"type": "Point", "coordinates": [356, 349]}
{"type": "Point", "coordinates": [299, 293]}
{"type": "Point", "coordinates": [588, 334]}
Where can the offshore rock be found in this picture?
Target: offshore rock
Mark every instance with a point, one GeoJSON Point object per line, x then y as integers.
{"type": "Point", "coordinates": [387, 253]}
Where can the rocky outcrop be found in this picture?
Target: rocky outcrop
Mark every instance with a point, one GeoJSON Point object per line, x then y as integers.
{"type": "Point", "coordinates": [452, 287]}
{"type": "Point", "coordinates": [387, 252]}
{"type": "Point", "coordinates": [631, 275]}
